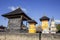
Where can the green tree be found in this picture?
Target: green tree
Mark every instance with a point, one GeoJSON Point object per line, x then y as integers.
{"type": "Point", "coordinates": [58, 27]}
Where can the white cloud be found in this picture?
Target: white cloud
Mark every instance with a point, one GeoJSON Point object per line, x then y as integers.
{"type": "Point", "coordinates": [24, 9]}
{"type": "Point", "coordinates": [57, 21]}
{"type": "Point", "coordinates": [12, 8]}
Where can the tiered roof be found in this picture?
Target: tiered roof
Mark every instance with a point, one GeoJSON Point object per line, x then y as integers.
{"type": "Point", "coordinates": [16, 14]}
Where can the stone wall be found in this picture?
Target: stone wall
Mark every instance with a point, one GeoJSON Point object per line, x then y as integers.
{"type": "Point", "coordinates": [27, 36]}
{"type": "Point", "coordinates": [50, 36]}
{"type": "Point", "coordinates": [21, 36]}
{"type": "Point", "coordinates": [14, 24]}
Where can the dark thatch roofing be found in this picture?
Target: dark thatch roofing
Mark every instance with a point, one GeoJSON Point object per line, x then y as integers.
{"type": "Point", "coordinates": [16, 13]}
{"type": "Point", "coordinates": [44, 18]}
{"type": "Point", "coordinates": [32, 21]}
{"type": "Point", "coordinates": [2, 27]}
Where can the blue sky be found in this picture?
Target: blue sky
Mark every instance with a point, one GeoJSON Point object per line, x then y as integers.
{"type": "Point", "coordinates": [33, 8]}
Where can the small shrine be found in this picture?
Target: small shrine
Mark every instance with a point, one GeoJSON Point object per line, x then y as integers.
{"type": "Point", "coordinates": [45, 24]}
{"type": "Point", "coordinates": [2, 28]}
{"type": "Point", "coordinates": [32, 26]}
{"type": "Point", "coordinates": [52, 26]}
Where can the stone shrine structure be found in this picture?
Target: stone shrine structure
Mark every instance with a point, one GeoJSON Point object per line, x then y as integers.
{"type": "Point", "coordinates": [32, 26]}
{"type": "Point", "coordinates": [45, 24]}
{"type": "Point", "coordinates": [53, 26]}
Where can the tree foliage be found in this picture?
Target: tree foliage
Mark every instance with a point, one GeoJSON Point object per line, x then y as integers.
{"type": "Point", "coordinates": [58, 27]}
